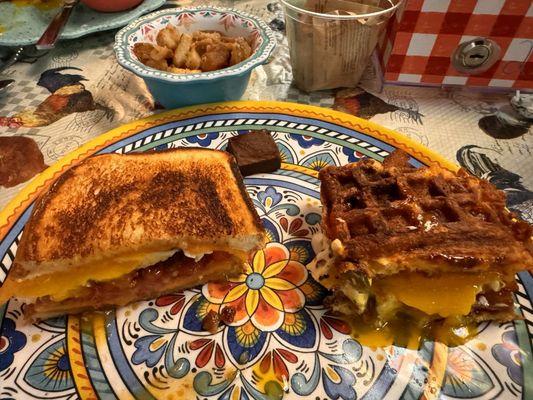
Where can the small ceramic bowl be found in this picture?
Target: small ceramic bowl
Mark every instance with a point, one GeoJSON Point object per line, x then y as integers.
{"type": "Point", "coordinates": [177, 90]}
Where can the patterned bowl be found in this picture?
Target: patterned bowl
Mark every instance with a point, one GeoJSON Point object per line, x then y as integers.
{"type": "Point", "coordinates": [177, 90]}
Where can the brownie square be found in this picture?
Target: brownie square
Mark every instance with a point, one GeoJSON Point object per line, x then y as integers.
{"type": "Point", "coordinates": [255, 152]}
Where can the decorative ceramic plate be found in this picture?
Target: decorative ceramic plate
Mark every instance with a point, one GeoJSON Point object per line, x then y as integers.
{"type": "Point", "coordinates": [289, 346]}
{"type": "Point", "coordinates": [24, 24]}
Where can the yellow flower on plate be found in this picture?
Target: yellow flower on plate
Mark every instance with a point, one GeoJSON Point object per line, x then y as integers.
{"type": "Point", "coordinates": [267, 290]}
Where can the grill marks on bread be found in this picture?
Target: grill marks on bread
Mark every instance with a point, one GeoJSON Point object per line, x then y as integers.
{"type": "Point", "coordinates": [205, 215]}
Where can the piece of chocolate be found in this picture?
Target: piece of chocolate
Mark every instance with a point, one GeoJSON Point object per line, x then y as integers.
{"type": "Point", "coordinates": [211, 322]}
{"type": "Point", "coordinates": [227, 315]}
{"type": "Point", "coordinates": [255, 152]}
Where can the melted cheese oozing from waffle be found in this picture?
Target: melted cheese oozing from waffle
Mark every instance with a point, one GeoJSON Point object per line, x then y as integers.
{"type": "Point", "coordinates": [445, 295]}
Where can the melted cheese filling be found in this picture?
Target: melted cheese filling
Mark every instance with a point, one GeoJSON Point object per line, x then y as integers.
{"type": "Point", "coordinates": [446, 295]}
{"type": "Point", "coordinates": [60, 284]}
{"type": "Point", "coordinates": [326, 252]}
{"type": "Point", "coordinates": [177, 278]}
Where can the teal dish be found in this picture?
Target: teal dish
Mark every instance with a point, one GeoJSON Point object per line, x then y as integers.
{"type": "Point", "coordinates": [24, 25]}
{"type": "Point", "coordinates": [181, 94]}
{"type": "Point", "coordinates": [177, 90]}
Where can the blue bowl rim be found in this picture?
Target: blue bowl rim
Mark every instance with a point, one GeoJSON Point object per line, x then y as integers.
{"type": "Point", "coordinates": [127, 60]}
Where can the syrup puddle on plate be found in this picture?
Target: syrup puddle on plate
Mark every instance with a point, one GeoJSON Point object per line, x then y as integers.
{"type": "Point", "coordinates": [405, 333]}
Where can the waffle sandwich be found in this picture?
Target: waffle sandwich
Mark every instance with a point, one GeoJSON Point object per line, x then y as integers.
{"type": "Point", "coordinates": [420, 244]}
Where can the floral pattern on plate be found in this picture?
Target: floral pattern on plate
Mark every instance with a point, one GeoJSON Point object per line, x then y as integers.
{"type": "Point", "coordinates": [283, 342]}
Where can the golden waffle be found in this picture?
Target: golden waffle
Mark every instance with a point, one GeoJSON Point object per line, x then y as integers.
{"type": "Point", "coordinates": [392, 217]}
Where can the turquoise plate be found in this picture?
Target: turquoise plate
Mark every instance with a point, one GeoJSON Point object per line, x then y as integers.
{"type": "Point", "coordinates": [16, 31]}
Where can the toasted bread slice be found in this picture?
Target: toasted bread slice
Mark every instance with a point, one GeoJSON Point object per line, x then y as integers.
{"type": "Point", "coordinates": [112, 205]}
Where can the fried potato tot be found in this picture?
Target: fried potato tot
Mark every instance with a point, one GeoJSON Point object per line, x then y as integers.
{"type": "Point", "coordinates": [240, 51]}
{"type": "Point", "coordinates": [201, 51]}
{"type": "Point", "coordinates": [193, 59]}
{"type": "Point", "coordinates": [152, 56]}
{"type": "Point", "coordinates": [142, 51]}
{"type": "Point", "coordinates": [159, 53]}
{"type": "Point", "coordinates": [168, 37]}
{"type": "Point", "coordinates": [181, 51]}
{"type": "Point", "coordinates": [201, 45]}
{"type": "Point", "coordinates": [161, 65]}
{"type": "Point", "coordinates": [215, 57]}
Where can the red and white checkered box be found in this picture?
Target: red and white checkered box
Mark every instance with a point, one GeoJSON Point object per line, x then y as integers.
{"type": "Point", "coordinates": [419, 42]}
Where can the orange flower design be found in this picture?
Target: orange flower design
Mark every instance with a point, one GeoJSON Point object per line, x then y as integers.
{"type": "Point", "coordinates": [266, 292]}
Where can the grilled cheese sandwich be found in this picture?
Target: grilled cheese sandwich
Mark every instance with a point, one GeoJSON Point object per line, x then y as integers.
{"type": "Point", "coordinates": [114, 216]}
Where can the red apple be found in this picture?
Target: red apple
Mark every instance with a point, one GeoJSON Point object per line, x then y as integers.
{"type": "Point", "coordinates": [111, 6]}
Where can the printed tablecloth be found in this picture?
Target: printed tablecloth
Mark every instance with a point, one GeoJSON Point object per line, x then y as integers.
{"type": "Point", "coordinates": [78, 91]}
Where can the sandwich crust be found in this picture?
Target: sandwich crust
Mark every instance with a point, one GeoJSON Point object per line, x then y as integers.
{"type": "Point", "coordinates": [110, 205]}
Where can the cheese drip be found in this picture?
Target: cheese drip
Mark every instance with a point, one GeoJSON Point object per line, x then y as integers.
{"type": "Point", "coordinates": [444, 295]}
{"type": "Point", "coordinates": [411, 334]}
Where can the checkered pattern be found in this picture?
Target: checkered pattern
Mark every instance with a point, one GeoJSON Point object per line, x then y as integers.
{"type": "Point", "coordinates": [420, 40]}
{"type": "Point", "coordinates": [25, 94]}
{"type": "Point", "coordinates": [322, 98]}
